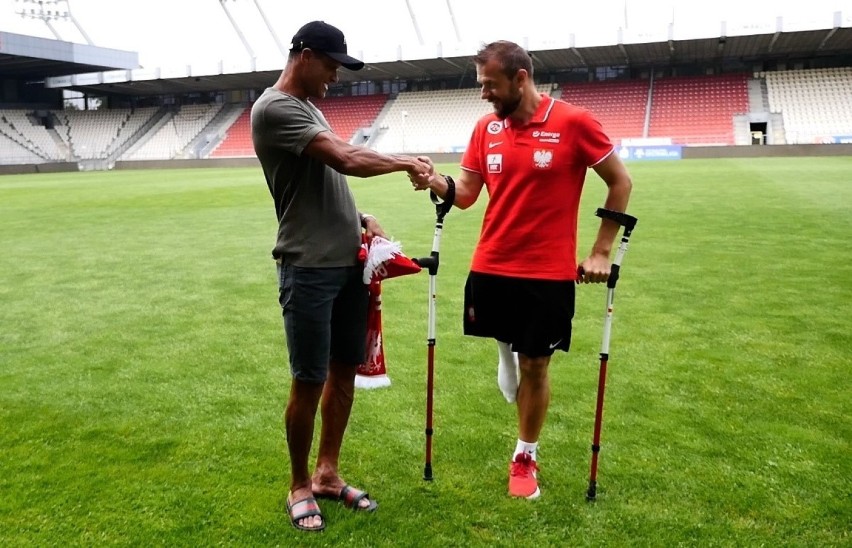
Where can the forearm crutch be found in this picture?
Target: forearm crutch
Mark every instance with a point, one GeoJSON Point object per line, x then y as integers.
{"type": "Point", "coordinates": [442, 207]}
{"type": "Point", "coordinates": [628, 223]}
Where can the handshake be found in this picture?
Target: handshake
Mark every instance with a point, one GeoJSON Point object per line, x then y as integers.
{"type": "Point", "coordinates": [421, 173]}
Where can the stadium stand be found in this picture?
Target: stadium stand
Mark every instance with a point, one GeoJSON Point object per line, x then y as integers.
{"type": "Point", "coordinates": [696, 110]}
{"type": "Point", "coordinates": [432, 121]}
{"type": "Point", "coordinates": [814, 104]}
{"type": "Point", "coordinates": [14, 152]}
{"type": "Point", "coordinates": [768, 79]}
{"type": "Point", "coordinates": [345, 115]}
{"type": "Point", "coordinates": [237, 142]}
{"type": "Point", "coordinates": [170, 137]}
{"type": "Point", "coordinates": [97, 134]}
{"type": "Point", "coordinates": [22, 128]}
{"type": "Point", "coordinates": [619, 105]}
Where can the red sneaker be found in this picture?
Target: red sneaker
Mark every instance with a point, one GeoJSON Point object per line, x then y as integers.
{"type": "Point", "coordinates": [522, 477]}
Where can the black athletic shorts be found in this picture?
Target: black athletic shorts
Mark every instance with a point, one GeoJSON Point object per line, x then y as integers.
{"type": "Point", "coordinates": [534, 316]}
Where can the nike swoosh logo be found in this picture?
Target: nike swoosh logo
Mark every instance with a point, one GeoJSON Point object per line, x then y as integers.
{"type": "Point", "coordinates": [554, 345]}
{"type": "Point", "coordinates": [492, 145]}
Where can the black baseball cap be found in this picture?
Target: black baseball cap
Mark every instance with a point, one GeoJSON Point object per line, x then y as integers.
{"type": "Point", "coordinates": [320, 36]}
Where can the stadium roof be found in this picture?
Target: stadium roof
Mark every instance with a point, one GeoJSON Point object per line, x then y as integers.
{"type": "Point", "coordinates": [65, 72]}
{"type": "Point", "coordinates": [39, 58]}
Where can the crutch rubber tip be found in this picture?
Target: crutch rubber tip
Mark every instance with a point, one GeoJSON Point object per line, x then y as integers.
{"type": "Point", "coordinates": [591, 495]}
{"type": "Point", "coordinates": [427, 472]}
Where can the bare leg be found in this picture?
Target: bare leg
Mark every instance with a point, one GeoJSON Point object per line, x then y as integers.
{"type": "Point", "coordinates": [336, 406]}
{"type": "Point", "coordinates": [533, 396]}
{"type": "Point", "coordinates": [299, 422]}
{"type": "Point", "coordinates": [337, 401]}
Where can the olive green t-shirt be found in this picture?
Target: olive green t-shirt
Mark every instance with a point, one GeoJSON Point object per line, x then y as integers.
{"type": "Point", "coordinates": [318, 224]}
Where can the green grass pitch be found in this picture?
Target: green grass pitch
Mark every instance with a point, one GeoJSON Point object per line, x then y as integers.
{"type": "Point", "coordinates": [143, 372]}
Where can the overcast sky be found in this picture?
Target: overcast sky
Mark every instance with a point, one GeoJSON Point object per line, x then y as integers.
{"type": "Point", "coordinates": [198, 32]}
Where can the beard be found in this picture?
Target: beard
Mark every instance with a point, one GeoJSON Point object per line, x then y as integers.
{"type": "Point", "coordinates": [504, 109]}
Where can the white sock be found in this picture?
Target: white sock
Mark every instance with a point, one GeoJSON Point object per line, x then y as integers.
{"type": "Point", "coordinates": [529, 448]}
{"type": "Point", "coordinates": [507, 371]}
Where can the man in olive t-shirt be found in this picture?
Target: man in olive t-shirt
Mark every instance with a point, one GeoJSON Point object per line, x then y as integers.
{"type": "Point", "coordinates": [323, 299]}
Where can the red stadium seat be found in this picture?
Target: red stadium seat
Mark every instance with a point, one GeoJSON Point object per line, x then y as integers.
{"type": "Point", "coordinates": [345, 115]}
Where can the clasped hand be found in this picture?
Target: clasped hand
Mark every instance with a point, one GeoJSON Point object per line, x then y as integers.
{"type": "Point", "coordinates": [421, 174]}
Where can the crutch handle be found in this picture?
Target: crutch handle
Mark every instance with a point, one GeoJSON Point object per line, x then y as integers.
{"type": "Point", "coordinates": [429, 263]}
{"type": "Point", "coordinates": [610, 281]}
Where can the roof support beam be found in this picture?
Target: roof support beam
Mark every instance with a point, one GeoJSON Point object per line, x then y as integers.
{"type": "Point", "coordinates": [621, 47]}
{"type": "Point", "coordinates": [271, 30]}
{"type": "Point", "coordinates": [576, 52]}
{"type": "Point", "coordinates": [779, 24]}
{"type": "Point", "coordinates": [671, 39]}
{"type": "Point", "coordinates": [453, 19]}
{"type": "Point", "coordinates": [238, 31]}
{"type": "Point", "coordinates": [828, 36]}
{"type": "Point", "coordinates": [454, 65]}
{"type": "Point", "coordinates": [414, 22]}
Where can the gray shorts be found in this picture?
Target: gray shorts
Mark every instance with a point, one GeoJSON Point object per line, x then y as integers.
{"type": "Point", "coordinates": [325, 318]}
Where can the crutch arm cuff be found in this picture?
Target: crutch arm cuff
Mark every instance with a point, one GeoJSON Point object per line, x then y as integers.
{"type": "Point", "coordinates": [444, 203]}
{"type": "Point", "coordinates": [625, 220]}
